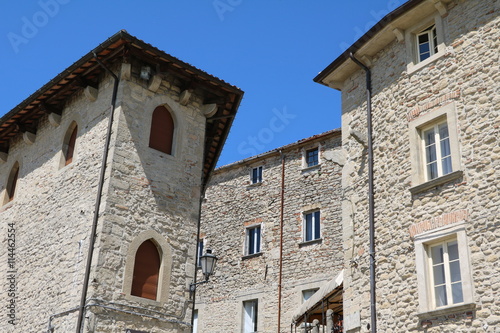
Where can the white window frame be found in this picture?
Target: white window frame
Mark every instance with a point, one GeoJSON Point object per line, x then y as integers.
{"type": "Point", "coordinates": [250, 309]}
{"type": "Point", "coordinates": [314, 225]}
{"type": "Point", "coordinates": [431, 34]}
{"type": "Point", "coordinates": [420, 181]}
{"type": "Point", "coordinates": [440, 157]}
{"type": "Point", "coordinates": [258, 178]}
{"type": "Point", "coordinates": [423, 243]}
{"type": "Point", "coordinates": [411, 40]}
{"type": "Point", "coordinates": [256, 247]}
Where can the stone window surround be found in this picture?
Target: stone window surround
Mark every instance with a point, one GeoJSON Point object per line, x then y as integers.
{"type": "Point", "coordinates": [445, 113]}
{"type": "Point", "coordinates": [308, 210]}
{"type": "Point", "coordinates": [304, 150]}
{"type": "Point", "coordinates": [243, 313]}
{"type": "Point", "coordinates": [412, 46]}
{"type": "Point", "coordinates": [165, 269]}
{"type": "Point", "coordinates": [64, 147]}
{"type": "Point", "coordinates": [252, 295]}
{"type": "Point", "coordinates": [245, 243]}
{"type": "Point", "coordinates": [176, 110]}
{"type": "Point", "coordinates": [422, 242]}
{"type": "Point", "coordinates": [8, 183]}
{"type": "Point", "coordinates": [261, 175]}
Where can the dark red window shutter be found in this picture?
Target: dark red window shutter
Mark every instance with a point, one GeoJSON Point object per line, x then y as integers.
{"type": "Point", "coordinates": [71, 146]}
{"type": "Point", "coordinates": [146, 271]}
{"type": "Point", "coordinates": [162, 130]}
{"type": "Point", "coordinates": [11, 189]}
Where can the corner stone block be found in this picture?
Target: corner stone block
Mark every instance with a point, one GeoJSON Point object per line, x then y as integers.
{"type": "Point", "coordinates": [54, 119]}
{"type": "Point", "coordinates": [155, 83]}
{"type": "Point", "coordinates": [209, 109]}
{"type": "Point", "coordinates": [90, 93]}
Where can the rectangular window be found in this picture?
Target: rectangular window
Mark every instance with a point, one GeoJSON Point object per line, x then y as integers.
{"type": "Point", "coordinates": [195, 321]}
{"type": "Point", "coordinates": [446, 279]}
{"type": "Point", "coordinates": [252, 240]}
{"type": "Point", "coordinates": [250, 311]}
{"type": "Point", "coordinates": [199, 252]}
{"type": "Point", "coordinates": [312, 157]}
{"type": "Point", "coordinates": [436, 143]}
{"type": "Point", "coordinates": [427, 43]}
{"type": "Point", "coordinates": [256, 175]}
{"type": "Point", "coordinates": [312, 226]}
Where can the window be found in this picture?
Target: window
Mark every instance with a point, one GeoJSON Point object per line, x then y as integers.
{"type": "Point", "coordinates": [69, 144]}
{"type": "Point", "coordinates": [252, 240]}
{"type": "Point", "coordinates": [312, 157]}
{"type": "Point", "coordinates": [250, 311]}
{"type": "Point", "coordinates": [12, 183]}
{"type": "Point", "coordinates": [312, 226]}
{"type": "Point", "coordinates": [162, 130]}
{"type": "Point", "coordinates": [199, 252]}
{"type": "Point", "coordinates": [434, 149]}
{"type": "Point", "coordinates": [256, 176]}
{"type": "Point", "coordinates": [306, 294]}
{"type": "Point", "coordinates": [443, 271]}
{"type": "Point", "coordinates": [436, 144]}
{"type": "Point", "coordinates": [444, 263]}
{"type": "Point", "coordinates": [427, 43]}
{"type": "Point", "coordinates": [146, 271]}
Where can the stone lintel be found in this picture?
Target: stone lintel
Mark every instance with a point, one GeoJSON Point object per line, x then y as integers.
{"type": "Point", "coordinates": [90, 93]}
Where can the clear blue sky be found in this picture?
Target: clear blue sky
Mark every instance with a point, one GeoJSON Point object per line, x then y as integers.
{"type": "Point", "coordinates": [270, 49]}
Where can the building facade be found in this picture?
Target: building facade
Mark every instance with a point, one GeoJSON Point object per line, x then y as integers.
{"type": "Point", "coordinates": [100, 209]}
{"type": "Point", "coordinates": [435, 138]}
{"type": "Point", "coordinates": [274, 221]}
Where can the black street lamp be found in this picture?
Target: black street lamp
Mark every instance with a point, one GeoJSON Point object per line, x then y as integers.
{"type": "Point", "coordinates": [207, 261]}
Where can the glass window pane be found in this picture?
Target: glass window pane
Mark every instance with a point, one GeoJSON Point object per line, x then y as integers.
{"type": "Point", "coordinates": [445, 147]}
{"type": "Point", "coordinates": [447, 168]}
{"type": "Point", "coordinates": [456, 290]}
{"type": "Point", "coordinates": [424, 48]}
{"type": "Point", "coordinates": [455, 271]}
{"type": "Point", "coordinates": [443, 131]}
{"type": "Point", "coordinates": [316, 225]}
{"type": "Point", "coordinates": [430, 153]}
{"type": "Point", "coordinates": [308, 227]}
{"type": "Point", "coordinates": [251, 241]}
{"type": "Point", "coordinates": [438, 274]}
{"type": "Point", "coordinates": [452, 250]}
{"type": "Point", "coordinates": [429, 137]}
{"type": "Point", "coordinates": [257, 236]}
{"type": "Point", "coordinates": [440, 294]}
{"type": "Point", "coordinates": [432, 171]}
{"type": "Point", "coordinates": [423, 38]}
{"type": "Point", "coordinates": [437, 254]}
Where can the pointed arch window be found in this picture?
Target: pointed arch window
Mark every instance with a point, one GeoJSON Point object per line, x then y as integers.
{"type": "Point", "coordinates": [146, 271]}
{"type": "Point", "coordinates": [70, 144]}
{"type": "Point", "coordinates": [162, 130]}
{"type": "Point", "coordinates": [12, 183]}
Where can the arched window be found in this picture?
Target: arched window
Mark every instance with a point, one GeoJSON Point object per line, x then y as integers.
{"type": "Point", "coordinates": [12, 183]}
{"type": "Point", "coordinates": [146, 271]}
{"type": "Point", "coordinates": [162, 130]}
{"type": "Point", "coordinates": [69, 144]}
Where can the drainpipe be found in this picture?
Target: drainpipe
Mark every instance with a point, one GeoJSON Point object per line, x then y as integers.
{"type": "Point", "coordinates": [371, 203]}
{"type": "Point", "coordinates": [98, 198]}
{"type": "Point", "coordinates": [281, 235]}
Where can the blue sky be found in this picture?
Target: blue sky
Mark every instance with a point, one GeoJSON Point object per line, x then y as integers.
{"type": "Point", "coordinates": [270, 49]}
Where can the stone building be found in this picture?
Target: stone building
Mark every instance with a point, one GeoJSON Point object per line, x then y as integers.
{"type": "Point", "coordinates": [274, 221]}
{"type": "Point", "coordinates": [100, 204]}
{"type": "Point", "coordinates": [435, 119]}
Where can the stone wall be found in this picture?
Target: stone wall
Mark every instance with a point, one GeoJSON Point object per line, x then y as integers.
{"type": "Point", "coordinates": [232, 203]}
{"type": "Point", "coordinates": [467, 76]}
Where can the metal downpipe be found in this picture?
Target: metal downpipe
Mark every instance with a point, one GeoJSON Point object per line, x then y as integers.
{"type": "Point", "coordinates": [98, 197]}
{"type": "Point", "coordinates": [371, 203]}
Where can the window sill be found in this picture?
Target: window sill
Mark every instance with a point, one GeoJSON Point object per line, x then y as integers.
{"type": "Point", "coordinates": [250, 256]}
{"type": "Point", "coordinates": [311, 242]}
{"type": "Point", "coordinates": [453, 309]}
{"type": "Point", "coordinates": [254, 184]}
{"type": "Point", "coordinates": [412, 68]}
{"type": "Point", "coordinates": [311, 168]}
{"type": "Point", "coordinates": [436, 182]}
